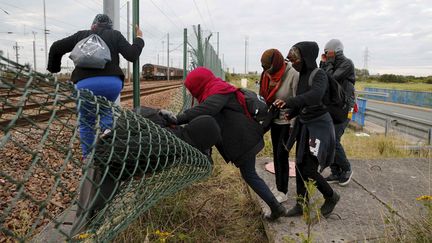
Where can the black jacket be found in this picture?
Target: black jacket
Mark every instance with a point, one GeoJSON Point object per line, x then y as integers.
{"type": "Point", "coordinates": [241, 136]}
{"type": "Point", "coordinates": [308, 100]}
{"type": "Point", "coordinates": [314, 129]}
{"type": "Point", "coordinates": [116, 43]}
{"type": "Point", "coordinates": [342, 70]}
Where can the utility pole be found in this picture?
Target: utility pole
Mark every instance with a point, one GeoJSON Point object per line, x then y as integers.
{"type": "Point", "coordinates": [136, 74]}
{"type": "Point", "coordinates": [217, 52]}
{"type": "Point", "coordinates": [365, 58]}
{"type": "Point", "coordinates": [16, 47]}
{"type": "Point", "coordinates": [112, 9]}
{"type": "Point", "coordinates": [158, 58]}
{"type": "Point", "coordinates": [34, 50]}
{"type": "Point", "coordinates": [128, 38]}
{"type": "Point", "coordinates": [246, 48]}
{"type": "Point", "coordinates": [168, 60]}
{"type": "Point", "coordinates": [45, 33]}
{"type": "Point", "coordinates": [163, 48]}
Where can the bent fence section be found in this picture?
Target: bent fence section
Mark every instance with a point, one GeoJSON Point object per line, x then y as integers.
{"type": "Point", "coordinates": [49, 192]}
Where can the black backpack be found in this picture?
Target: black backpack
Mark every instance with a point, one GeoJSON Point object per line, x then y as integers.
{"type": "Point", "coordinates": [335, 99]}
{"type": "Point", "coordinates": [256, 105]}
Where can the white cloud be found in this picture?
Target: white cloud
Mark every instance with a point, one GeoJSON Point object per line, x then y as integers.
{"type": "Point", "coordinates": [397, 33]}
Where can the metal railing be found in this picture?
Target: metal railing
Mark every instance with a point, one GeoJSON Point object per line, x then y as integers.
{"type": "Point", "coordinates": [410, 125]}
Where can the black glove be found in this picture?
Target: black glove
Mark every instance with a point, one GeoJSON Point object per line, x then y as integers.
{"type": "Point", "coordinates": [168, 116]}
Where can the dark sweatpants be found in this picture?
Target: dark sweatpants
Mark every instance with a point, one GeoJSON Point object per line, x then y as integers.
{"type": "Point", "coordinates": [308, 169]}
{"type": "Point", "coordinates": [279, 135]}
{"type": "Point", "coordinates": [341, 163]}
{"type": "Point", "coordinates": [249, 174]}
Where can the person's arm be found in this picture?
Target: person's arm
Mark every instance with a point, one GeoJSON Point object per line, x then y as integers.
{"type": "Point", "coordinates": [340, 73]}
{"type": "Point", "coordinates": [311, 97]}
{"type": "Point", "coordinates": [211, 106]}
{"type": "Point", "coordinates": [58, 49]}
{"type": "Point", "coordinates": [128, 51]}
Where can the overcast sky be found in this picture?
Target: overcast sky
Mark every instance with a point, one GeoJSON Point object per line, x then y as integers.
{"type": "Point", "coordinates": [397, 33]}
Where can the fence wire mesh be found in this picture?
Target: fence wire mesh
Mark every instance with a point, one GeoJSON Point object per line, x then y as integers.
{"type": "Point", "coordinates": [49, 192]}
{"type": "Point", "coordinates": [203, 53]}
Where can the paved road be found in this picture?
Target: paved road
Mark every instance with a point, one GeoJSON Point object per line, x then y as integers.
{"type": "Point", "coordinates": [409, 112]}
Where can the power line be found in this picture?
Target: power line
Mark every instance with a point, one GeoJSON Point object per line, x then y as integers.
{"type": "Point", "coordinates": [27, 11]}
{"type": "Point", "coordinates": [160, 10]}
{"type": "Point", "coordinates": [169, 6]}
{"type": "Point", "coordinates": [210, 16]}
{"type": "Point", "coordinates": [88, 7]}
{"type": "Point", "coordinates": [199, 12]}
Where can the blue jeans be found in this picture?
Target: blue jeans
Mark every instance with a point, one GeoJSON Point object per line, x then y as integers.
{"type": "Point", "coordinates": [341, 162]}
{"type": "Point", "coordinates": [106, 86]}
{"type": "Point", "coordinates": [249, 174]}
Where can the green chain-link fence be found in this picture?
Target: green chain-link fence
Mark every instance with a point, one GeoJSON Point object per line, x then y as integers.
{"type": "Point", "coordinates": [48, 192]}
{"type": "Point", "coordinates": [203, 53]}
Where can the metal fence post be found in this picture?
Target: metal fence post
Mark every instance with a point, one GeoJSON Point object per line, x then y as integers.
{"type": "Point", "coordinates": [387, 127]}
{"type": "Point", "coordinates": [135, 78]}
{"type": "Point", "coordinates": [430, 136]}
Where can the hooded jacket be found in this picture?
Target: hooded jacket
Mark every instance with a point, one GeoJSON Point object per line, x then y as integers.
{"type": "Point", "coordinates": [308, 100]}
{"type": "Point", "coordinates": [342, 70]}
{"type": "Point", "coordinates": [242, 137]}
{"type": "Point", "coordinates": [314, 130]}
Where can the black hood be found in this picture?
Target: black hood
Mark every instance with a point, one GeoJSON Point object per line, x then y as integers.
{"type": "Point", "coordinates": [309, 52]}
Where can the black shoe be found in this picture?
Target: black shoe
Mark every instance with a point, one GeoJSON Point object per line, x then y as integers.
{"type": "Point", "coordinates": [329, 204]}
{"type": "Point", "coordinates": [332, 178]}
{"type": "Point", "coordinates": [276, 212]}
{"type": "Point", "coordinates": [345, 178]}
{"type": "Point", "coordinates": [297, 210]}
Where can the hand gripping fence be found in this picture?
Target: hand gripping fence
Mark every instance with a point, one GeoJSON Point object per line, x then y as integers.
{"type": "Point", "coordinates": [49, 192]}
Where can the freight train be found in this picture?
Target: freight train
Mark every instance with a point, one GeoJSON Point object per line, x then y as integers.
{"type": "Point", "coordinates": [158, 72]}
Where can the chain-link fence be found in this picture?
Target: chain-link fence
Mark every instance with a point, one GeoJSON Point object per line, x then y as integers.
{"type": "Point", "coordinates": [49, 192]}
{"type": "Point", "coordinates": [203, 53]}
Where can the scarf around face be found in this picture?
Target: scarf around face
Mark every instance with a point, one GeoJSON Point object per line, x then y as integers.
{"type": "Point", "coordinates": [202, 83]}
{"type": "Point", "coordinates": [271, 78]}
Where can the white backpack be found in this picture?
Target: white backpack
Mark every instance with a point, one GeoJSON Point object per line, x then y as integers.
{"type": "Point", "coordinates": [91, 52]}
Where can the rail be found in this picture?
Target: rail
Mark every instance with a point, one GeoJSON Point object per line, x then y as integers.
{"type": "Point", "coordinates": [43, 116]}
{"type": "Point", "coordinates": [413, 126]}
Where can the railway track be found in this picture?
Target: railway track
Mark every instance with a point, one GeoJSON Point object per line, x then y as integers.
{"type": "Point", "coordinates": [64, 106]}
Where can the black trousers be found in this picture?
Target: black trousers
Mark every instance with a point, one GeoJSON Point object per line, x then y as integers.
{"type": "Point", "coordinates": [249, 174]}
{"type": "Point", "coordinates": [279, 136]}
{"type": "Point", "coordinates": [308, 169]}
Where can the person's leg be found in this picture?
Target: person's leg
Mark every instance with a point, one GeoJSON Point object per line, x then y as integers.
{"type": "Point", "coordinates": [107, 86]}
{"type": "Point", "coordinates": [297, 210]}
{"type": "Point", "coordinates": [310, 171]}
{"type": "Point", "coordinates": [340, 157]}
{"type": "Point", "coordinates": [279, 135]}
{"type": "Point", "coordinates": [248, 172]}
{"type": "Point", "coordinates": [330, 196]}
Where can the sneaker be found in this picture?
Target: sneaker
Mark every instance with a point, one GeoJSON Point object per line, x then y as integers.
{"type": "Point", "coordinates": [329, 204]}
{"type": "Point", "coordinates": [345, 178]}
{"type": "Point", "coordinates": [297, 210]}
{"type": "Point", "coordinates": [332, 178]}
{"type": "Point", "coordinates": [276, 212]}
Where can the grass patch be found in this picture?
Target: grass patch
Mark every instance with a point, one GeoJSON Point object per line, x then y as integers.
{"type": "Point", "coordinates": [403, 86]}
{"type": "Point", "coordinates": [219, 209]}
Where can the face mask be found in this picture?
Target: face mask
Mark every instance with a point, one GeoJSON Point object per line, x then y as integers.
{"type": "Point", "coordinates": [297, 65]}
{"type": "Point", "coordinates": [295, 58]}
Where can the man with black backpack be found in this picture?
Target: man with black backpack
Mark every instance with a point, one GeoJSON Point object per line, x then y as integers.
{"type": "Point", "coordinates": [341, 69]}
